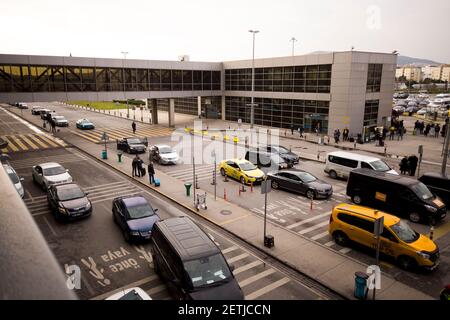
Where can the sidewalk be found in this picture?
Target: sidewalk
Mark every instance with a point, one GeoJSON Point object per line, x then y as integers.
{"type": "Point", "coordinates": [328, 267]}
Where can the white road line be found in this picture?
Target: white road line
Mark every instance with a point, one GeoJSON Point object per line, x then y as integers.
{"type": "Point", "coordinates": [329, 243]}
{"type": "Point", "coordinates": [131, 285]}
{"type": "Point", "coordinates": [256, 277]}
{"type": "Point", "coordinates": [308, 220]}
{"type": "Point", "coordinates": [190, 169]}
{"type": "Point", "coordinates": [49, 226]}
{"type": "Point", "coordinates": [230, 249]}
{"type": "Point", "coordinates": [98, 194]}
{"type": "Point", "coordinates": [345, 250]}
{"type": "Point", "coordinates": [320, 235]}
{"type": "Point", "coordinates": [237, 258]}
{"type": "Point", "coordinates": [247, 267]}
{"type": "Point", "coordinates": [115, 196]}
{"type": "Point", "coordinates": [317, 226]}
{"type": "Point", "coordinates": [267, 289]}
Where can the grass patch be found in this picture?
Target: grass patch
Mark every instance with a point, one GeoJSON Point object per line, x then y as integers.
{"type": "Point", "coordinates": [100, 105]}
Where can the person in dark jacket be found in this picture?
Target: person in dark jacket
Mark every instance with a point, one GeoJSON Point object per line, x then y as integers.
{"type": "Point", "coordinates": [412, 164]}
{"type": "Point", "coordinates": [134, 165]}
{"type": "Point", "coordinates": [140, 166]}
{"type": "Point", "coordinates": [404, 165]}
{"type": "Point", "coordinates": [133, 126]}
{"type": "Point", "coordinates": [437, 128]}
{"type": "Point", "coordinates": [151, 172]}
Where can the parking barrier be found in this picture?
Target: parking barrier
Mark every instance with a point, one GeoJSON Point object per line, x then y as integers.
{"type": "Point", "coordinates": [224, 194]}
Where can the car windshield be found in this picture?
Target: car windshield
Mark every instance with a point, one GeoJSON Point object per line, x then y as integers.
{"type": "Point", "coordinates": [306, 177]}
{"type": "Point", "coordinates": [405, 232]}
{"type": "Point", "coordinates": [85, 121]}
{"type": "Point", "coordinates": [207, 271]}
{"type": "Point", "coordinates": [54, 171]}
{"type": "Point", "coordinates": [74, 192]}
{"type": "Point", "coordinates": [379, 165]}
{"type": "Point", "coordinates": [134, 141]}
{"type": "Point", "coordinates": [163, 150]}
{"type": "Point", "coordinates": [422, 191]}
{"type": "Point", "coordinates": [281, 149]}
{"type": "Point", "coordinates": [140, 211]}
{"type": "Point", "coordinates": [58, 117]}
{"type": "Point", "coordinates": [13, 176]}
{"type": "Point", "coordinates": [247, 166]}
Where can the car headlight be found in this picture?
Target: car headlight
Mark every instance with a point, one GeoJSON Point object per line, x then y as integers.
{"type": "Point", "coordinates": [424, 255]}
{"type": "Point", "coordinates": [62, 210]}
{"type": "Point", "coordinates": [134, 233]}
{"type": "Point", "coordinates": [88, 206]}
{"type": "Point", "coordinates": [430, 208]}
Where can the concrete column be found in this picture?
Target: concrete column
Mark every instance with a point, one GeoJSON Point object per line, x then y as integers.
{"type": "Point", "coordinates": [171, 112]}
{"type": "Point", "coordinates": [223, 108]}
{"type": "Point", "coordinates": [199, 106]}
{"type": "Point", "coordinates": [154, 108]}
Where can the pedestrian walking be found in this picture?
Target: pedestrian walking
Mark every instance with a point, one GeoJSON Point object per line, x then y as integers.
{"type": "Point", "coordinates": [53, 125]}
{"type": "Point", "coordinates": [133, 126]}
{"type": "Point", "coordinates": [391, 133]}
{"type": "Point", "coordinates": [437, 129]}
{"type": "Point", "coordinates": [292, 129]}
{"type": "Point", "coordinates": [151, 172]}
{"type": "Point", "coordinates": [412, 164]}
{"type": "Point", "coordinates": [336, 136]}
{"type": "Point", "coordinates": [421, 127]}
{"type": "Point", "coordinates": [427, 130]}
{"type": "Point", "coordinates": [400, 133]}
{"type": "Point", "coordinates": [404, 168]}
{"type": "Point", "coordinates": [134, 165]}
{"type": "Point", "coordinates": [140, 167]}
{"type": "Point", "coordinates": [384, 133]}
{"type": "Point", "coordinates": [345, 133]}
{"type": "Point", "coordinates": [444, 130]}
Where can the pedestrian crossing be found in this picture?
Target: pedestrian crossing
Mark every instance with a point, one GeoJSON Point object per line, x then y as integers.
{"type": "Point", "coordinates": [30, 142]}
{"type": "Point", "coordinates": [38, 205]}
{"type": "Point", "coordinates": [203, 172]}
{"type": "Point", "coordinates": [63, 158]}
{"type": "Point", "coordinates": [95, 135]}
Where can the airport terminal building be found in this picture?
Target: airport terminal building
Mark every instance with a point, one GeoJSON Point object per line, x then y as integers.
{"type": "Point", "coordinates": [327, 91]}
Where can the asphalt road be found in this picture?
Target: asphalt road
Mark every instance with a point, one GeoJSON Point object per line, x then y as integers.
{"type": "Point", "coordinates": [289, 210]}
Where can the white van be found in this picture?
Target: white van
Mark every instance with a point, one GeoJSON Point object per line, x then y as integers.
{"type": "Point", "coordinates": [340, 163]}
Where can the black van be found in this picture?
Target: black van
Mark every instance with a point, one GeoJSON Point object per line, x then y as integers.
{"type": "Point", "coordinates": [395, 194]}
{"type": "Point", "coordinates": [190, 263]}
{"type": "Point", "coordinates": [265, 159]}
{"type": "Point", "coordinates": [438, 184]}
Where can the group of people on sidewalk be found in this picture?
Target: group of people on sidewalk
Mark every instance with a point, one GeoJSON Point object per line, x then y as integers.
{"type": "Point", "coordinates": [397, 128]}
{"type": "Point", "coordinates": [408, 165]}
{"type": "Point", "coordinates": [138, 169]}
{"type": "Point", "coordinates": [430, 129]}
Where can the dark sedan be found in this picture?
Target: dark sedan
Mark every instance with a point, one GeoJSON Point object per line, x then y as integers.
{"type": "Point", "coordinates": [68, 201]}
{"type": "Point", "coordinates": [135, 217]}
{"type": "Point", "coordinates": [300, 182]}
{"type": "Point", "coordinates": [287, 155]}
{"type": "Point", "coordinates": [132, 145]}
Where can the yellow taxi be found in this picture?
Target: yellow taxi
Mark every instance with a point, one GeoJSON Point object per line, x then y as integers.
{"type": "Point", "coordinates": [398, 240]}
{"type": "Point", "coordinates": [242, 170]}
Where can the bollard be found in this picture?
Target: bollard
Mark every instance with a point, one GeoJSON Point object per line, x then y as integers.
{"type": "Point", "coordinates": [251, 186]}
{"type": "Point", "coordinates": [354, 145]}
{"type": "Point", "coordinates": [225, 178]}
{"type": "Point", "coordinates": [224, 194]}
{"type": "Point", "coordinates": [311, 205]}
{"type": "Point", "coordinates": [239, 191]}
{"type": "Point", "coordinates": [431, 232]}
{"type": "Point", "coordinates": [385, 150]}
{"type": "Point", "coordinates": [196, 182]}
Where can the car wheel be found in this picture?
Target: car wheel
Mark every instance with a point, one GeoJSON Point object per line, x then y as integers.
{"type": "Point", "coordinates": [414, 217]}
{"type": "Point", "coordinates": [333, 174]}
{"type": "Point", "coordinates": [310, 194]}
{"type": "Point", "coordinates": [222, 172]}
{"type": "Point", "coordinates": [275, 184]}
{"type": "Point", "coordinates": [407, 263]}
{"type": "Point", "coordinates": [340, 238]}
{"type": "Point", "coordinates": [242, 180]}
{"type": "Point", "coordinates": [129, 150]}
{"type": "Point", "coordinates": [357, 199]}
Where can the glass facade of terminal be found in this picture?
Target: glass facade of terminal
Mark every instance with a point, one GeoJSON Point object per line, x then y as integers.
{"type": "Point", "coordinates": [311, 78]}
{"type": "Point", "coordinates": [280, 113]}
{"type": "Point", "coordinates": [374, 77]}
{"type": "Point", "coordinates": [371, 112]}
{"type": "Point", "coordinates": [34, 78]}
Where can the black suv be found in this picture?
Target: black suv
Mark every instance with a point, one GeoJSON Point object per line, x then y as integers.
{"type": "Point", "coordinates": [133, 145]}
{"type": "Point", "coordinates": [287, 155]}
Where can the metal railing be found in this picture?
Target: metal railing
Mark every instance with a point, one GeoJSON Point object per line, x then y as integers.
{"type": "Point", "coordinates": [28, 269]}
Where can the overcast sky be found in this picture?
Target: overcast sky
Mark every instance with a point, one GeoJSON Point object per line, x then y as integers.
{"type": "Point", "coordinates": [210, 30]}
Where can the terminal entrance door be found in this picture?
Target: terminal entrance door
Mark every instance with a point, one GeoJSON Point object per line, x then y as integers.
{"type": "Point", "coordinates": [316, 121]}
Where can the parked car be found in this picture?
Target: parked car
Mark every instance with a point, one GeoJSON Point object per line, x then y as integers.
{"type": "Point", "coordinates": [438, 184]}
{"type": "Point", "coordinates": [301, 182]}
{"type": "Point", "coordinates": [15, 179]}
{"type": "Point", "coordinates": [399, 109]}
{"type": "Point", "coordinates": [163, 154]}
{"type": "Point", "coordinates": [266, 159]}
{"type": "Point", "coordinates": [84, 124]}
{"type": "Point", "coordinates": [352, 223]}
{"type": "Point", "coordinates": [340, 163]}
{"type": "Point", "coordinates": [190, 263]}
{"type": "Point", "coordinates": [37, 110]}
{"type": "Point", "coordinates": [22, 105]}
{"type": "Point", "coordinates": [395, 194]}
{"type": "Point", "coordinates": [135, 217]}
{"type": "Point", "coordinates": [242, 170]}
{"type": "Point", "coordinates": [60, 121]}
{"type": "Point", "coordinates": [44, 113]}
{"type": "Point", "coordinates": [412, 109]}
{"type": "Point", "coordinates": [3, 143]}
{"type": "Point", "coordinates": [288, 156]}
{"type": "Point", "coordinates": [132, 145]}
{"type": "Point", "coordinates": [422, 111]}
{"type": "Point", "coordinates": [49, 173]}
{"type": "Point", "coordinates": [135, 293]}
{"type": "Point", "coordinates": [68, 201]}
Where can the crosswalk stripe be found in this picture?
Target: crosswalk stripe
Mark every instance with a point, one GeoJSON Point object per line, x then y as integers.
{"type": "Point", "coordinates": [308, 220]}
{"type": "Point", "coordinates": [329, 243]}
{"type": "Point", "coordinates": [84, 136]}
{"type": "Point", "coordinates": [317, 226]}
{"type": "Point", "coordinates": [247, 267]}
{"type": "Point", "coordinates": [18, 142]}
{"type": "Point", "coordinates": [131, 285]}
{"type": "Point", "coordinates": [256, 277]}
{"type": "Point", "coordinates": [49, 141]}
{"type": "Point", "coordinates": [28, 141]}
{"type": "Point", "coordinates": [320, 235]}
{"type": "Point", "coordinates": [267, 289]}
{"type": "Point", "coordinates": [230, 249]}
{"type": "Point", "coordinates": [115, 196]}
{"type": "Point", "coordinates": [11, 145]}
{"type": "Point", "coordinates": [345, 250]}
{"type": "Point", "coordinates": [38, 141]}
{"type": "Point", "coordinates": [171, 172]}
{"type": "Point", "coordinates": [237, 258]}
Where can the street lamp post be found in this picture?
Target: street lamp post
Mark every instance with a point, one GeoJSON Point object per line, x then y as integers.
{"type": "Point", "coordinates": [252, 106]}
{"type": "Point", "coordinates": [293, 44]}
